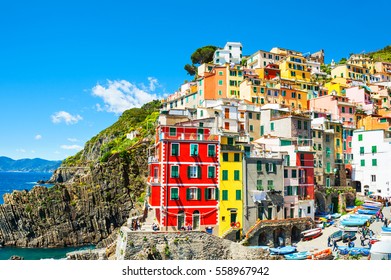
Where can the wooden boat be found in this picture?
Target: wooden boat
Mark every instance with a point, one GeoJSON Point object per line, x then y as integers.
{"type": "Point", "coordinates": [343, 235]}
{"type": "Point", "coordinates": [326, 254]}
{"type": "Point", "coordinates": [282, 250]}
{"type": "Point", "coordinates": [311, 233]}
{"type": "Point", "coordinates": [353, 222]}
{"type": "Point", "coordinates": [297, 256]}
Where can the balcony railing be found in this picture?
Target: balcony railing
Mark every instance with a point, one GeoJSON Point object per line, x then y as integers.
{"type": "Point", "coordinates": [188, 136]}
{"type": "Point", "coordinates": [152, 159]}
{"type": "Point", "coordinates": [230, 148]}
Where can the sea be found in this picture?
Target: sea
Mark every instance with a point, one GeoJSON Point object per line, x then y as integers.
{"type": "Point", "coordinates": [10, 181]}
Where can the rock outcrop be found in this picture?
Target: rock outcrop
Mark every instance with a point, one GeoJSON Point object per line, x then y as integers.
{"type": "Point", "coordinates": [85, 210]}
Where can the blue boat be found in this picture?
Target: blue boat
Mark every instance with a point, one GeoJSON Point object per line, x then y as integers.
{"type": "Point", "coordinates": [335, 215]}
{"type": "Point", "coordinates": [297, 256]}
{"type": "Point", "coordinates": [282, 250]}
{"type": "Point", "coordinates": [372, 207]}
{"type": "Point", "coordinates": [360, 216]}
{"type": "Point", "coordinates": [386, 229]}
{"type": "Point", "coordinates": [353, 251]}
{"type": "Point", "coordinates": [367, 211]}
{"type": "Point", "coordinates": [353, 222]}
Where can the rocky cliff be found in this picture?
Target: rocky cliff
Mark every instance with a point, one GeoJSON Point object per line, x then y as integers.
{"type": "Point", "coordinates": [94, 191]}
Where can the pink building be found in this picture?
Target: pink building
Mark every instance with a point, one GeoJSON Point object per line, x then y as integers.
{"type": "Point", "coordinates": [361, 95]}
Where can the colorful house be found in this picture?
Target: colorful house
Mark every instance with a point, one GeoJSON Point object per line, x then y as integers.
{"type": "Point", "coordinates": [183, 181]}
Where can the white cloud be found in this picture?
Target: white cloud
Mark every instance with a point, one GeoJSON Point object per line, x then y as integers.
{"type": "Point", "coordinates": [72, 140]}
{"type": "Point", "coordinates": [38, 137]}
{"type": "Point", "coordinates": [71, 147]}
{"type": "Point", "coordinates": [63, 116]}
{"type": "Point", "coordinates": [119, 96]}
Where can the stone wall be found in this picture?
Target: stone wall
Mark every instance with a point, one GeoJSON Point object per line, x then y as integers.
{"type": "Point", "coordinates": [138, 245]}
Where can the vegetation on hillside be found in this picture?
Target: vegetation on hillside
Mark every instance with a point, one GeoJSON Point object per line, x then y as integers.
{"type": "Point", "coordinates": [383, 55]}
{"type": "Point", "coordinates": [114, 139]}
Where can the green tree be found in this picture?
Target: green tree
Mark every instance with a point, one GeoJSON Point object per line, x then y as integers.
{"type": "Point", "coordinates": [200, 56]}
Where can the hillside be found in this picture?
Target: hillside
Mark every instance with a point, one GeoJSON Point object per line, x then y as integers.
{"type": "Point", "coordinates": [28, 165]}
{"type": "Point", "coordinates": [382, 55]}
{"type": "Point", "coordinates": [94, 191]}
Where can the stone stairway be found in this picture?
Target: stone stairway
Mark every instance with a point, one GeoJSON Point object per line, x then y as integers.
{"type": "Point", "coordinates": [147, 224]}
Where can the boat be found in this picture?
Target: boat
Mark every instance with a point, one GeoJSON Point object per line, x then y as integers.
{"type": "Point", "coordinates": [311, 233]}
{"type": "Point", "coordinates": [326, 254]}
{"type": "Point", "coordinates": [353, 251]}
{"type": "Point", "coordinates": [343, 235]}
{"type": "Point", "coordinates": [386, 229]}
{"type": "Point", "coordinates": [353, 222]}
{"type": "Point", "coordinates": [282, 250]}
{"type": "Point", "coordinates": [297, 256]}
{"type": "Point", "coordinates": [367, 211]}
{"type": "Point", "coordinates": [371, 206]}
{"type": "Point", "coordinates": [360, 216]}
{"type": "Point", "coordinates": [377, 203]}
{"type": "Point", "coordinates": [335, 215]}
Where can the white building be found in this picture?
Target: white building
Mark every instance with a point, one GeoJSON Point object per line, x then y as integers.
{"type": "Point", "coordinates": [371, 151]}
{"type": "Point", "coordinates": [232, 53]}
{"type": "Point", "coordinates": [261, 59]}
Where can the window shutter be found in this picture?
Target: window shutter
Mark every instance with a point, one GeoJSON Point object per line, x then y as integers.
{"type": "Point", "coordinates": [274, 168]}
{"type": "Point", "coordinates": [198, 194]}
{"type": "Point", "coordinates": [188, 172]}
{"type": "Point", "coordinates": [199, 171]}
{"type": "Point", "coordinates": [188, 194]}
{"type": "Point", "coordinates": [206, 194]}
{"type": "Point", "coordinates": [217, 193]}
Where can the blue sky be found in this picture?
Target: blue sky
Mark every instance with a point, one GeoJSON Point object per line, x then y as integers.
{"type": "Point", "coordinates": [69, 68]}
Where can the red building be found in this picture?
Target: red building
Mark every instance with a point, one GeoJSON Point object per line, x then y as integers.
{"type": "Point", "coordinates": [183, 181]}
{"type": "Point", "coordinates": [305, 164]}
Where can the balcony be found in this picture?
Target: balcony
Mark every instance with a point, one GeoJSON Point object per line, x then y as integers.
{"type": "Point", "coordinates": [152, 159]}
{"type": "Point", "coordinates": [189, 136]}
{"type": "Point", "coordinates": [231, 148]}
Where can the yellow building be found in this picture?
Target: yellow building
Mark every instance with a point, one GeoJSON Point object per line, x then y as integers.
{"type": "Point", "coordinates": [231, 187]}
{"type": "Point", "coordinates": [353, 72]}
{"type": "Point", "coordinates": [362, 60]}
{"type": "Point", "coordinates": [294, 67]}
{"type": "Point", "coordinates": [337, 85]}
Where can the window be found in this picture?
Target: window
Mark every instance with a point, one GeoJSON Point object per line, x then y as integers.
{"type": "Point", "coordinates": [194, 171]}
{"type": "Point", "coordinates": [374, 149]}
{"type": "Point", "coordinates": [174, 171]}
{"type": "Point", "coordinates": [338, 142]}
{"type": "Point", "coordinates": [238, 194]}
{"type": "Point", "coordinates": [373, 178]}
{"type": "Point", "coordinates": [193, 194]}
{"type": "Point", "coordinates": [374, 162]}
{"type": "Point", "coordinates": [270, 185]}
{"type": "Point", "coordinates": [251, 128]}
{"type": "Point", "coordinates": [211, 171]}
{"type": "Point", "coordinates": [360, 137]}
{"type": "Point", "coordinates": [308, 209]}
{"type": "Point", "coordinates": [225, 175]}
{"type": "Point", "coordinates": [272, 126]}
{"type": "Point", "coordinates": [220, 82]}
{"type": "Point", "coordinates": [258, 116]}
{"type": "Point", "coordinates": [174, 193]}
{"type": "Point", "coordinates": [361, 150]}
{"type": "Point", "coordinates": [230, 141]}
{"type": "Point", "coordinates": [271, 167]}
{"type": "Point", "coordinates": [362, 162]}
{"type": "Point", "coordinates": [155, 172]}
{"type": "Point", "coordinates": [225, 156]}
{"type": "Point", "coordinates": [194, 149]}
{"type": "Point", "coordinates": [172, 131]}
{"type": "Point", "coordinates": [250, 115]}
{"type": "Point", "coordinates": [220, 92]}
{"type": "Point", "coordinates": [343, 109]}
{"type": "Point", "coordinates": [225, 194]}
{"type": "Point", "coordinates": [299, 124]}
{"type": "Point", "coordinates": [211, 193]}
{"type": "Point", "coordinates": [262, 130]}
{"type": "Point", "coordinates": [236, 157]}
{"type": "Point", "coordinates": [175, 149]}
{"type": "Point", "coordinates": [259, 185]}
{"type": "Point", "coordinates": [294, 173]}
{"type": "Point", "coordinates": [327, 138]}
{"type": "Point", "coordinates": [211, 150]}
{"type": "Point", "coordinates": [259, 165]}
{"type": "Point", "coordinates": [286, 173]}
{"type": "Point", "coordinates": [350, 110]}
{"type": "Point", "coordinates": [236, 175]}
{"type": "Point", "coordinates": [319, 147]}
{"type": "Point", "coordinates": [306, 125]}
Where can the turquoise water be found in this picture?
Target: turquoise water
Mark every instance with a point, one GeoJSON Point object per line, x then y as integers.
{"type": "Point", "coordinates": [10, 181]}
{"type": "Point", "coordinates": [38, 253]}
